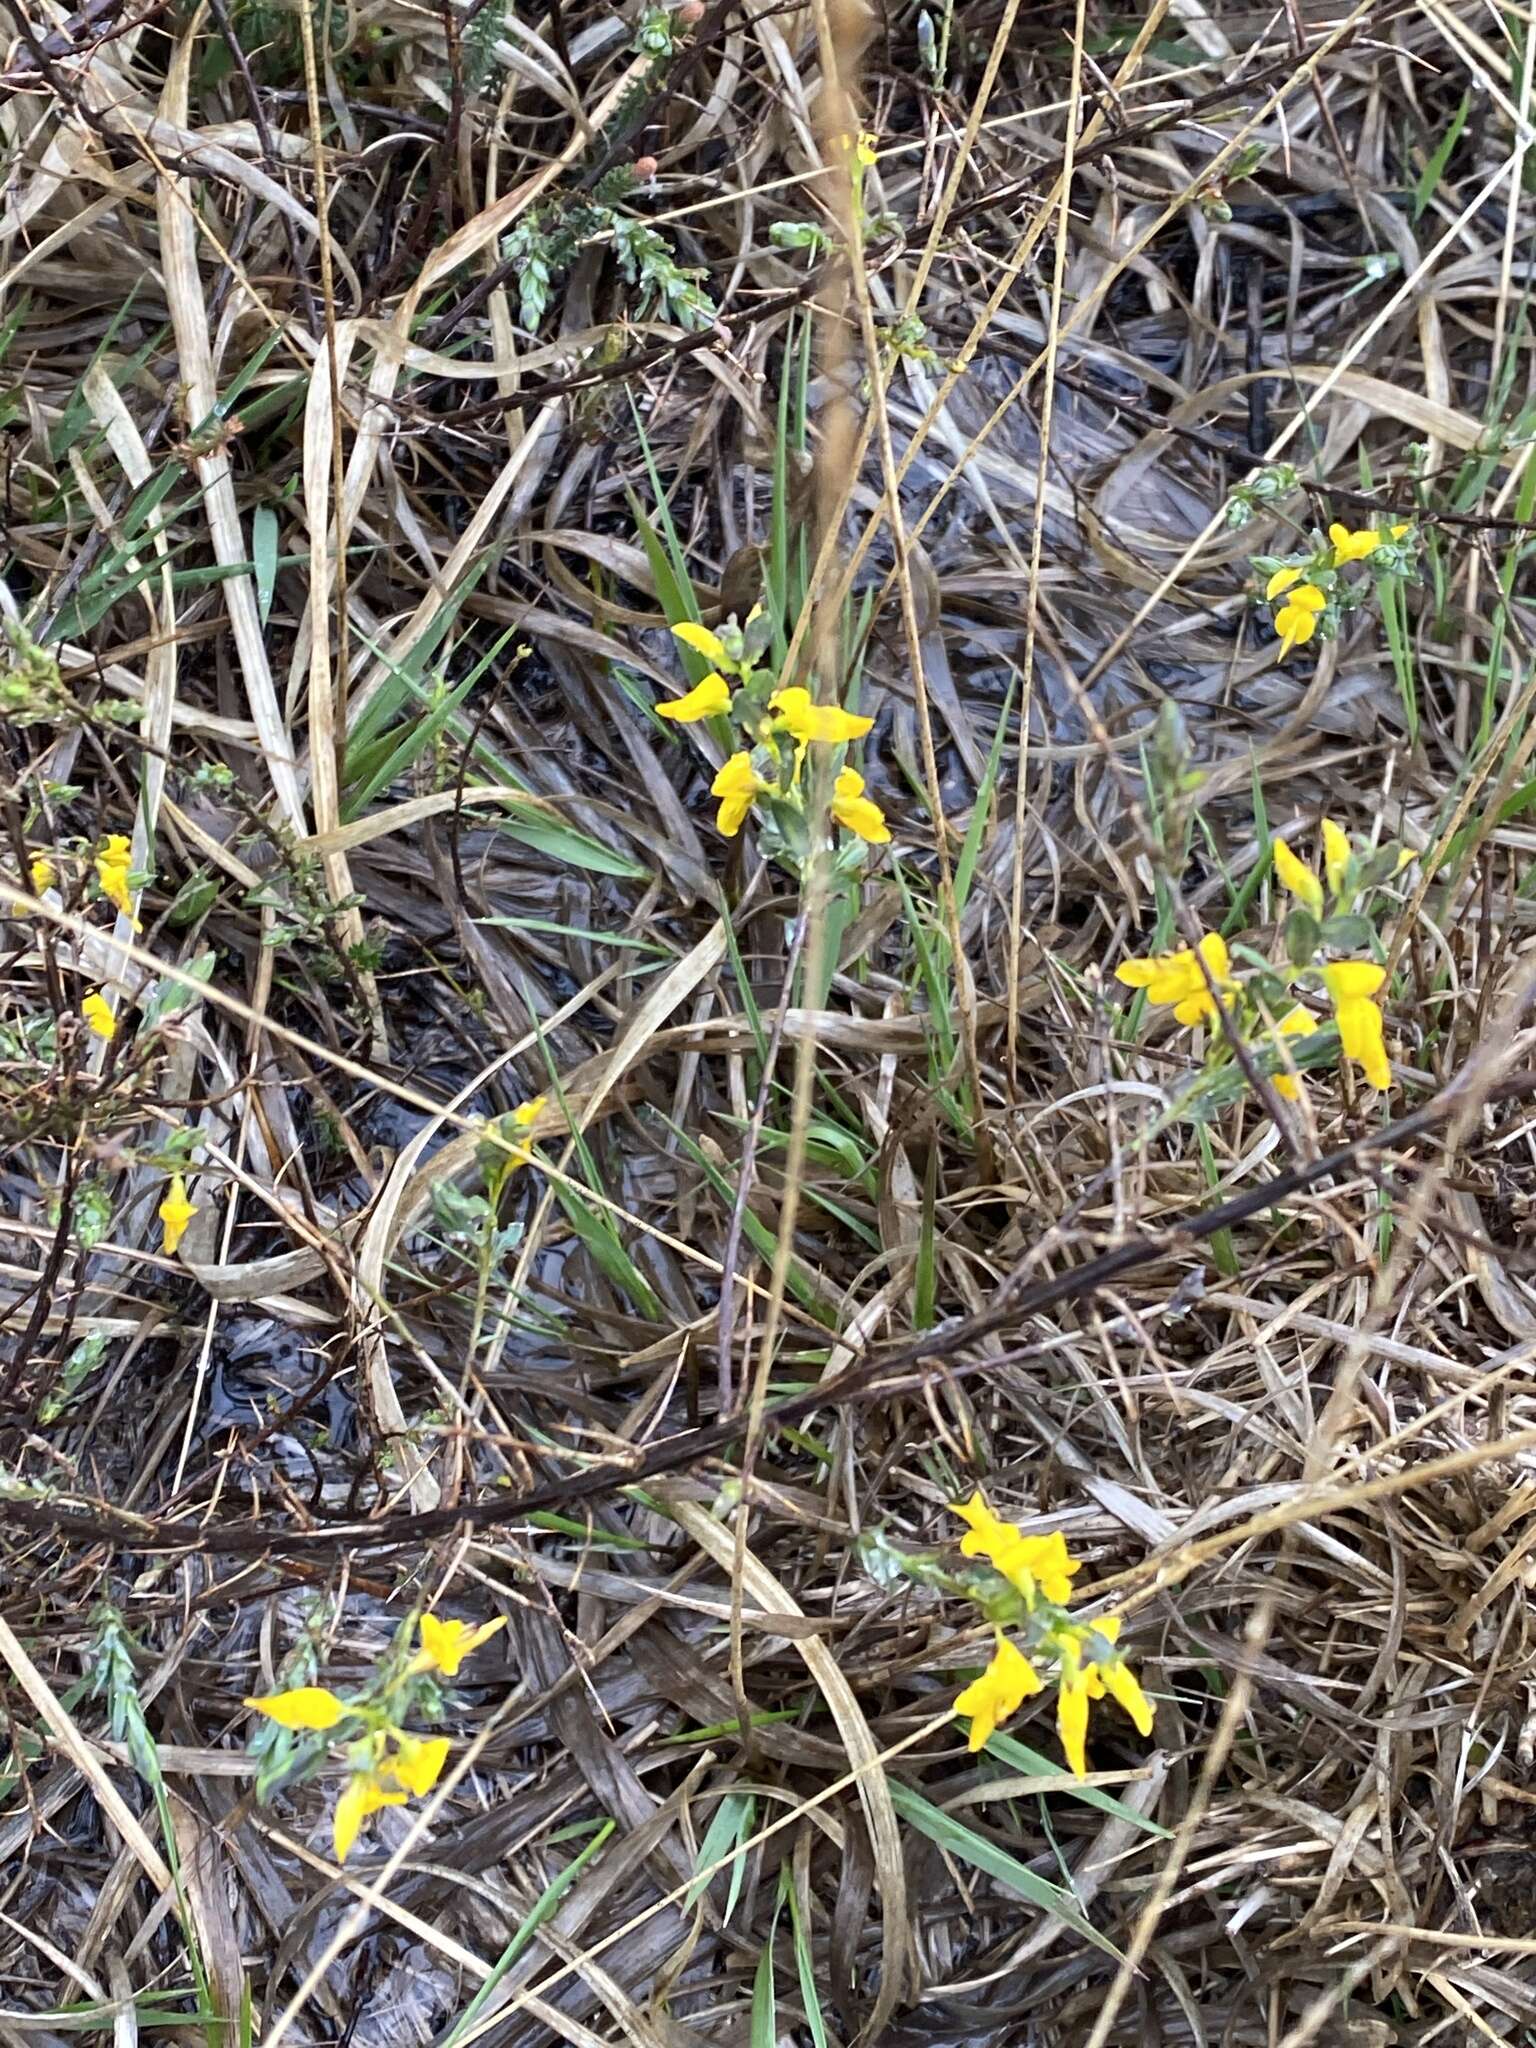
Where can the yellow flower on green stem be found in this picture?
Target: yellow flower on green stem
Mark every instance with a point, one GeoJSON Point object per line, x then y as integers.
{"type": "Point", "coordinates": [738, 785]}
{"type": "Point", "coordinates": [806, 720]}
{"type": "Point", "coordinates": [112, 871]}
{"type": "Point", "coordinates": [1336, 855]}
{"type": "Point", "coordinates": [445, 1644]}
{"type": "Point", "coordinates": [1031, 1564]}
{"type": "Point", "coordinates": [702, 641]}
{"type": "Point", "coordinates": [1296, 620]}
{"type": "Point", "coordinates": [1177, 978]}
{"type": "Point", "coordinates": [175, 1212]}
{"type": "Point", "coordinates": [1353, 985]}
{"type": "Point", "coordinates": [417, 1763]}
{"type": "Point", "coordinates": [1083, 1681]}
{"type": "Point", "coordinates": [366, 1793]}
{"type": "Point", "coordinates": [709, 699]}
{"type": "Point", "coordinates": [97, 1012]}
{"type": "Point", "coordinates": [1001, 1690]}
{"type": "Point", "coordinates": [1356, 546]}
{"type": "Point", "coordinates": [1297, 877]}
{"type": "Point", "coordinates": [307, 1707]}
{"type": "Point", "coordinates": [855, 811]}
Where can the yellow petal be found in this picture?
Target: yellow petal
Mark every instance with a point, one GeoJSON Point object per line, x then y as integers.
{"type": "Point", "coordinates": [364, 1795]}
{"type": "Point", "coordinates": [1282, 580]}
{"type": "Point", "coordinates": [97, 1012]}
{"type": "Point", "coordinates": [175, 1212]}
{"type": "Point", "coordinates": [1295, 627]}
{"type": "Point", "coordinates": [1137, 973]}
{"type": "Point", "coordinates": [709, 699]}
{"type": "Point", "coordinates": [1336, 852]}
{"type": "Point", "coordinates": [1346, 978]}
{"type": "Point", "coordinates": [1213, 951]}
{"type": "Point", "coordinates": [1297, 877]}
{"type": "Point", "coordinates": [856, 812]}
{"type": "Point", "coordinates": [1001, 1690]}
{"type": "Point", "coordinates": [736, 784]}
{"type": "Point", "coordinates": [702, 641]}
{"type": "Point", "coordinates": [1120, 1683]}
{"type": "Point", "coordinates": [1353, 547]}
{"type": "Point", "coordinates": [302, 1706]}
{"type": "Point", "coordinates": [1307, 597]}
{"type": "Point", "coordinates": [418, 1763]}
{"type": "Point", "coordinates": [807, 720]}
{"type": "Point", "coordinates": [42, 874]}
{"type": "Point", "coordinates": [1072, 1724]}
{"type": "Point", "coordinates": [445, 1644]}
{"type": "Point", "coordinates": [527, 1114]}
{"type": "Point", "coordinates": [1362, 1035]}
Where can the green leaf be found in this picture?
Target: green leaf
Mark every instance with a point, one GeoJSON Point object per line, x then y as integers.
{"type": "Point", "coordinates": [264, 555]}
{"type": "Point", "coordinates": [1303, 935]}
{"type": "Point", "coordinates": [958, 1840]}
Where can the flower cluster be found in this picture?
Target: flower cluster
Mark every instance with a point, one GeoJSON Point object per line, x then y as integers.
{"type": "Point", "coordinates": [385, 1764]}
{"type": "Point", "coordinates": [1039, 1571]}
{"type": "Point", "coordinates": [1307, 590]}
{"type": "Point", "coordinates": [779, 727]}
{"type": "Point", "coordinates": [1263, 1007]}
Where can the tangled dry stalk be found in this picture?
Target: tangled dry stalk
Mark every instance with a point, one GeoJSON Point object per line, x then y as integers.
{"type": "Point", "coordinates": [375, 383]}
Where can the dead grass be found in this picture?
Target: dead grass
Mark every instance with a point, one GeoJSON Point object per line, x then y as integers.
{"type": "Point", "coordinates": [345, 572]}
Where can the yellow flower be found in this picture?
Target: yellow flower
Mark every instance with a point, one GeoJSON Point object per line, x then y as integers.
{"type": "Point", "coordinates": [1282, 580]}
{"type": "Point", "coordinates": [1028, 1563]}
{"type": "Point", "coordinates": [112, 870]}
{"type": "Point", "coordinates": [417, 1763]}
{"type": "Point", "coordinates": [1082, 1682]}
{"type": "Point", "coordinates": [1297, 1023]}
{"type": "Point", "coordinates": [1298, 877]}
{"type": "Point", "coordinates": [708, 699]}
{"type": "Point", "coordinates": [857, 812]}
{"type": "Point", "coordinates": [302, 1706]}
{"type": "Point", "coordinates": [97, 1012]}
{"type": "Point", "coordinates": [1336, 852]}
{"type": "Point", "coordinates": [1001, 1690]}
{"type": "Point", "coordinates": [1121, 1684]}
{"type": "Point", "coordinates": [1176, 978]}
{"type": "Point", "coordinates": [42, 874]}
{"type": "Point", "coordinates": [737, 785]}
{"type": "Point", "coordinates": [1296, 620]}
{"type": "Point", "coordinates": [445, 1644]}
{"type": "Point", "coordinates": [365, 1794]}
{"type": "Point", "coordinates": [864, 149]}
{"type": "Point", "coordinates": [1353, 547]}
{"type": "Point", "coordinates": [702, 641]}
{"type": "Point", "coordinates": [175, 1212]}
{"type": "Point", "coordinates": [1352, 984]}
{"type": "Point", "coordinates": [807, 720]}
{"type": "Point", "coordinates": [527, 1114]}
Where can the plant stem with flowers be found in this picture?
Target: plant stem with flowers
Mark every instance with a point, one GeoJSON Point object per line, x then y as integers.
{"type": "Point", "coordinates": [385, 1762]}
{"type": "Point", "coordinates": [1264, 1001]}
{"type": "Point", "coordinates": [774, 729]}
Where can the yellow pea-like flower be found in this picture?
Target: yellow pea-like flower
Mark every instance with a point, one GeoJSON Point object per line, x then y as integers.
{"type": "Point", "coordinates": [417, 1763]}
{"type": "Point", "coordinates": [113, 866]}
{"type": "Point", "coordinates": [366, 1793]}
{"type": "Point", "coordinates": [1353, 984]}
{"type": "Point", "coordinates": [1177, 978]}
{"type": "Point", "coordinates": [806, 720]}
{"type": "Point", "coordinates": [702, 641]}
{"type": "Point", "coordinates": [97, 1012]}
{"type": "Point", "coordinates": [175, 1212]}
{"type": "Point", "coordinates": [445, 1644]}
{"type": "Point", "coordinates": [1297, 877]}
{"type": "Point", "coordinates": [709, 699]}
{"type": "Point", "coordinates": [310, 1707]}
{"type": "Point", "coordinates": [1336, 855]}
{"type": "Point", "coordinates": [42, 873]}
{"type": "Point", "coordinates": [1353, 547]}
{"type": "Point", "coordinates": [855, 811]}
{"type": "Point", "coordinates": [1001, 1690]}
{"type": "Point", "coordinates": [738, 785]}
